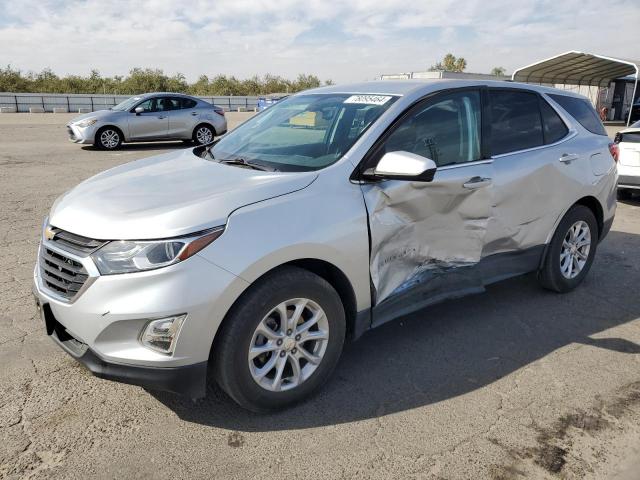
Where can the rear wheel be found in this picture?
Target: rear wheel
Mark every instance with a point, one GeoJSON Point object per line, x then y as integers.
{"type": "Point", "coordinates": [281, 341]}
{"type": "Point", "coordinates": [571, 251]}
{"type": "Point", "coordinates": [203, 134]}
{"type": "Point", "coordinates": [108, 138]}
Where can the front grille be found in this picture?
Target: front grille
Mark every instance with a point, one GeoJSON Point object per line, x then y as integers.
{"type": "Point", "coordinates": [72, 135]}
{"type": "Point", "coordinates": [61, 274]}
{"type": "Point", "coordinates": [73, 243]}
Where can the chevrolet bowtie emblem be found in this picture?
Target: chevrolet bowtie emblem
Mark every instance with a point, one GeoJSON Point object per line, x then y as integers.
{"type": "Point", "coordinates": [49, 233]}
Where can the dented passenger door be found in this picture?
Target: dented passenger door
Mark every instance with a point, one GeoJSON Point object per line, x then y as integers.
{"type": "Point", "coordinates": [427, 236]}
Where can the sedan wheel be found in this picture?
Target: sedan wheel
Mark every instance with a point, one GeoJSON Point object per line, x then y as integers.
{"type": "Point", "coordinates": [109, 139]}
{"type": "Point", "coordinates": [203, 135]}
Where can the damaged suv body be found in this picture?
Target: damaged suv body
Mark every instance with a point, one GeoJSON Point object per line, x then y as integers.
{"type": "Point", "coordinates": [253, 259]}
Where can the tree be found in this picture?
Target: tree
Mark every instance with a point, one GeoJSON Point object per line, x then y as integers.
{"type": "Point", "coordinates": [141, 80]}
{"type": "Point", "coordinates": [450, 63]}
{"type": "Point", "coordinates": [498, 71]}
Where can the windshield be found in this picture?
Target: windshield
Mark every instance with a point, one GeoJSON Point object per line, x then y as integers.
{"type": "Point", "coordinates": [303, 132]}
{"type": "Point", "coordinates": [127, 104]}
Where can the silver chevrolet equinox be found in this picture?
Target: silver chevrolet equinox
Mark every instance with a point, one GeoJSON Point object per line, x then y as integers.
{"type": "Point", "coordinates": [253, 259]}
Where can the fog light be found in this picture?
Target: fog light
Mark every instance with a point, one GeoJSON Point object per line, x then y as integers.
{"type": "Point", "coordinates": [161, 335]}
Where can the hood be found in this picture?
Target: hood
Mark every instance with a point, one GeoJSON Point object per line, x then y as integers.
{"type": "Point", "coordinates": [97, 114]}
{"type": "Point", "coordinates": [166, 196]}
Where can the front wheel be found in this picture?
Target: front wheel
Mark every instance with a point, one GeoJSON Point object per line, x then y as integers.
{"type": "Point", "coordinates": [281, 341]}
{"type": "Point", "coordinates": [571, 251]}
{"type": "Point", "coordinates": [108, 138]}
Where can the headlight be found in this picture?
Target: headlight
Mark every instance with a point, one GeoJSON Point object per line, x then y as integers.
{"type": "Point", "coordinates": [86, 122]}
{"type": "Point", "coordinates": [127, 256]}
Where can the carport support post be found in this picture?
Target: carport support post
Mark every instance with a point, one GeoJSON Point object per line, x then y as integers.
{"type": "Point", "coordinates": [633, 97]}
{"type": "Point", "coordinates": [68, 105]}
{"type": "Point", "coordinates": [15, 99]}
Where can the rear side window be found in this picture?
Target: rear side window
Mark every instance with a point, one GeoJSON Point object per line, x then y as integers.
{"type": "Point", "coordinates": [554, 127]}
{"type": "Point", "coordinates": [582, 111]}
{"type": "Point", "coordinates": [515, 121]}
{"type": "Point", "coordinates": [188, 103]}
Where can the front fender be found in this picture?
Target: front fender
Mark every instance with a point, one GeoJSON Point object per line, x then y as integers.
{"type": "Point", "coordinates": [307, 224]}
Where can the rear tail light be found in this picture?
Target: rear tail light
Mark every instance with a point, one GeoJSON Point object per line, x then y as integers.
{"type": "Point", "coordinates": [614, 150]}
{"type": "Point", "coordinates": [219, 111]}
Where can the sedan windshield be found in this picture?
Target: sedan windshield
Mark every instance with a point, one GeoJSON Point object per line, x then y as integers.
{"type": "Point", "coordinates": [127, 104]}
{"type": "Point", "coordinates": [303, 132]}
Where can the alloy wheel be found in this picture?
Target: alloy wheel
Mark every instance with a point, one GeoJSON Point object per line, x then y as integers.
{"type": "Point", "coordinates": [109, 139]}
{"type": "Point", "coordinates": [288, 344]}
{"type": "Point", "coordinates": [204, 135]}
{"type": "Point", "coordinates": [575, 249]}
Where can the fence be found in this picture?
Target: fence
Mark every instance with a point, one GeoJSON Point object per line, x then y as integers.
{"type": "Point", "coordinates": [22, 102]}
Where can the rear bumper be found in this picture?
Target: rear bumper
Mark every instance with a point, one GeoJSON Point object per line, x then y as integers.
{"type": "Point", "coordinates": [628, 181]}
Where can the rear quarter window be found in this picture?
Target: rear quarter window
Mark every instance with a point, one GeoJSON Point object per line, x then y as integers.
{"type": "Point", "coordinates": [582, 111]}
{"type": "Point", "coordinates": [188, 103]}
{"type": "Point", "coordinates": [554, 127]}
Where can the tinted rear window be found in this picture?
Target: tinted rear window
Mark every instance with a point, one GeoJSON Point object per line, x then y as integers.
{"type": "Point", "coordinates": [631, 137]}
{"type": "Point", "coordinates": [554, 127]}
{"type": "Point", "coordinates": [188, 103]}
{"type": "Point", "coordinates": [582, 111]}
{"type": "Point", "coordinates": [515, 121]}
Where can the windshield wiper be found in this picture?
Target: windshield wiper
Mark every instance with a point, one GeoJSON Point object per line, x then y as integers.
{"type": "Point", "coordinates": [246, 163]}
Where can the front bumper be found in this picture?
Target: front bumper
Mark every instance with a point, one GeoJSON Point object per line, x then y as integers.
{"type": "Point", "coordinates": [81, 135]}
{"type": "Point", "coordinates": [188, 380]}
{"type": "Point", "coordinates": [105, 321]}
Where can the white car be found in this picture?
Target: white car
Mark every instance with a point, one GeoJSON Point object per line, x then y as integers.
{"type": "Point", "coordinates": [628, 141]}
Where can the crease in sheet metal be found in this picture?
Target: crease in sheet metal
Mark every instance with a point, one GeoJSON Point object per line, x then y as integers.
{"type": "Point", "coordinates": [416, 233]}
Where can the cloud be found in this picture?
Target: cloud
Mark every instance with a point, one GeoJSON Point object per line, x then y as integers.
{"type": "Point", "coordinates": [344, 41]}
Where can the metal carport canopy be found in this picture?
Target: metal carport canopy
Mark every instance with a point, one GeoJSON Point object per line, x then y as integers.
{"type": "Point", "coordinates": [579, 68]}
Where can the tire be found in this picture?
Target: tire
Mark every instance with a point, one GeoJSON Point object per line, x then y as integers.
{"type": "Point", "coordinates": [237, 374]}
{"type": "Point", "coordinates": [203, 134]}
{"type": "Point", "coordinates": [556, 273]}
{"type": "Point", "coordinates": [108, 138]}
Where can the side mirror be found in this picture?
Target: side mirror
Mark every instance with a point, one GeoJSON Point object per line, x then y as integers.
{"type": "Point", "coordinates": [139, 110]}
{"type": "Point", "coordinates": [405, 166]}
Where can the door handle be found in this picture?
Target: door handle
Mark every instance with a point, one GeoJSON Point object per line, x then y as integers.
{"type": "Point", "coordinates": [476, 182]}
{"type": "Point", "coordinates": [569, 157]}
{"type": "Point", "coordinates": [194, 113]}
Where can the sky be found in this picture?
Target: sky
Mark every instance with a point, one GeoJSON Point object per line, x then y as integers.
{"type": "Point", "coordinates": [343, 41]}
